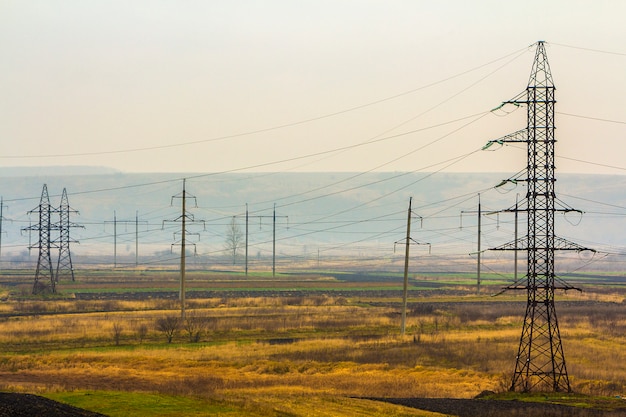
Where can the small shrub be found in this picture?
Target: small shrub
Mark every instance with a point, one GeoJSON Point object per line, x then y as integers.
{"type": "Point", "coordinates": [142, 332]}
{"type": "Point", "coordinates": [168, 326]}
{"type": "Point", "coordinates": [117, 332]}
{"type": "Point", "coordinates": [194, 326]}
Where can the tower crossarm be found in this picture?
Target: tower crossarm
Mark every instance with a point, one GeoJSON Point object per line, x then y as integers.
{"type": "Point", "coordinates": [559, 244]}
{"type": "Point", "coordinates": [521, 136]}
{"type": "Point", "coordinates": [523, 285]}
{"type": "Point", "coordinates": [564, 244]}
{"type": "Point", "coordinates": [518, 244]}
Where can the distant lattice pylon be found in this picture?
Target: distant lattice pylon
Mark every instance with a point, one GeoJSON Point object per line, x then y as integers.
{"type": "Point", "coordinates": [44, 276]}
{"type": "Point", "coordinates": [64, 263]}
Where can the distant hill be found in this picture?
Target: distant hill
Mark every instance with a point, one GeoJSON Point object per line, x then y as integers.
{"type": "Point", "coordinates": [318, 214]}
{"type": "Point", "coordinates": [9, 172]}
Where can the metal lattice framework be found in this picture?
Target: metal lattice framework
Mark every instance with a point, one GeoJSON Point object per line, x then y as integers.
{"type": "Point", "coordinates": [64, 263]}
{"type": "Point", "coordinates": [540, 362]}
{"type": "Point", "coordinates": [44, 275]}
{"type": "Point", "coordinates": [540, 358]}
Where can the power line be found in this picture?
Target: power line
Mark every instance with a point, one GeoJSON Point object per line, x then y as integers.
{"type": "Point", "coordinates": [574, 159]}
{"type": "Point", "coordinates": [595, 201]}
{"type": "Point", "coordinates": [592, 163]}
{"type": "Point", "coordinates": [277, 162]}
{"type": "Point", "coordinates": [588, 49]}
{"type": "Point", "coordinates": [277, 127]}
{"type": "Point", "coordinates": [621, 122]}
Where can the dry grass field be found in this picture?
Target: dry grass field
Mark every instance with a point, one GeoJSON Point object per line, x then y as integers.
{"type": "Point", "coordinates": [296, 346]}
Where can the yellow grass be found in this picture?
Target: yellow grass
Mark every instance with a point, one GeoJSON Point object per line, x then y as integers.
{"type": "Point", "coordinates": [314, 357]}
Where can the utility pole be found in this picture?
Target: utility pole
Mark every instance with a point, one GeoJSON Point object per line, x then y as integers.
{"type": "Point", "coordinates": [405, 287]}
{"type": "Point", "coordinates": [137, 236]}
{"type": "Point", "coordinates": [115, 222]}
{"type": "Point", "coordinates": [184, 218]}
{"type": "Point", "coordinates": [260, 217]}
{"type": "Point", "coordinates": [247, 216]}
{"type": "Point", "coordinates": [479, 247]}
{"type": "Point", "coordinates": [114, 239]}
{"type": "Point", "coordinates": [515, 249]}
{"type": "Point", "coordinates": [2, 219]}
{"type": "Point", "coordinates": [513, 246]}
{"type": "Point", "coordinates": [274, 242]}
{"type": "Point", "coordinates": [540, 359]}
{"type": "Point", "coordinates": [44, 276]}
{"type": "Point", "coordinates": [246, 239]}
{"type": "Point", "coordinates": [183, 254]}
{"type": "Point", "coordinates": [64, 263]}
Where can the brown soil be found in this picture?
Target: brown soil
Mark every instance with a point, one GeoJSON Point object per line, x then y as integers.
{"type": "Point", "coordinates": [28, 405]}
{"type": "Point", "coordinates": [489, 408]}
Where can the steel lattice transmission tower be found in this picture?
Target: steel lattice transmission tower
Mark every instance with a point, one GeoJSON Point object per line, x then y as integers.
{"type": "Point", "coordinates": [64, 263]}
{"type": "Point", "coordinates": [44, 276]}
{"type": "Point", "coordinates": [540, 360]}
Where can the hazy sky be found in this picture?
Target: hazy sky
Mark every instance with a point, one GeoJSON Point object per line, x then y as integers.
{"type": "Point", "coordinates": [210, 86]}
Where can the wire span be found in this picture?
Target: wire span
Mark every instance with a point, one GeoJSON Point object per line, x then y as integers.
{"type": "Point", "coordinates": [518, 53]}
{"type": "Point", "coordinates": [599, 119]}
{"type": "Point", "coordinates": [589, 49]}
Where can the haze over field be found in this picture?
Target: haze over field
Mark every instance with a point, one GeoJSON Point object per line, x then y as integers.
{"type": "Point", "coordinates": [354, 215]}
{"type": "Point", "coordinates": [334, 112]}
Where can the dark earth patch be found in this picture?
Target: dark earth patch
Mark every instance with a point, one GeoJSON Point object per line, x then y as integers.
{"type": "Point", "coordinates": [28, 405]}
{"type": "Point", "coordinates": [489, 408]}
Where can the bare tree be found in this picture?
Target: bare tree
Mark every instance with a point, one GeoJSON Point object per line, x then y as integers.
{"type": "Point", "coordinates": [117, 332]}
{"type": "Point", "coordinates": [194, 325]}
{"type": "Point", "coordinates": [169, 326]}
{"type": "Point", "coordinates": [142, 332]}
{"type": "Point", "coordinates": [234, 239]}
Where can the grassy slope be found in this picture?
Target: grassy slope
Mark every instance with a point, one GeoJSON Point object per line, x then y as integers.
{"type": "Point", "coordinates": [124, 404]}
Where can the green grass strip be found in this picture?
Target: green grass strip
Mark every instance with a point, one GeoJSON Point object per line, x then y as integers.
{"type": "Point", "coordinates": [125, 404]}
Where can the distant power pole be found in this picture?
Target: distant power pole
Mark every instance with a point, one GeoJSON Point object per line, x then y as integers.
{"type": "Point", "coordinates": [274, 239]}
{"type": "Point", "coordinates": [405, 288]}
{"type": "Point", "coordinates": [184, 218]}
{"type": "Point", "coordinates": [115, 222]}
{"type": "Point", "coordinates": [44, 275]}
{"type": "Point", "coordinates": [64, 263]}
{"type": "Point", "coordinates": [247, 217]}
{"type": "Point", "coordinates": [540, 359]}
{"type": "Point", "coordinates": [137, 236]}
{"type": "Point", "coordinates": [2, 219]}
{"type": "Point", "coordinates": [273, 217]}
{"type": "Point", "coordinates": [478, 242]}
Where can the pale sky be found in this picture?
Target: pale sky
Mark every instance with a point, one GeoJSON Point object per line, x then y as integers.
{"type": "Point", "coordinates": [212, 86]}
